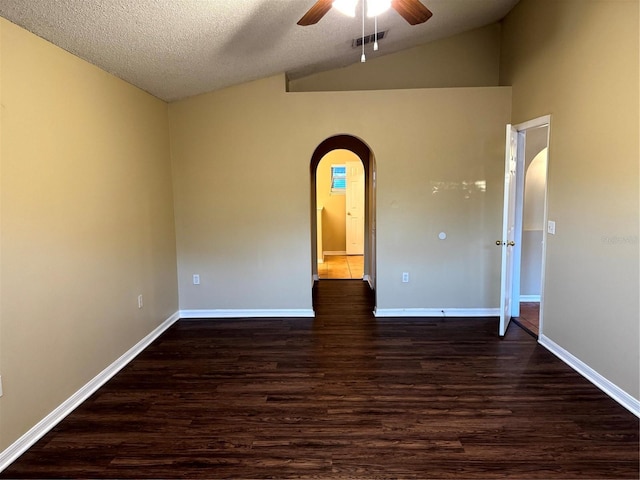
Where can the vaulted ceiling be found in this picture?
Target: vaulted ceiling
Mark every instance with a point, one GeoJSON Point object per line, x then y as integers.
{"type": "Point", "coordinates": [174, 49]}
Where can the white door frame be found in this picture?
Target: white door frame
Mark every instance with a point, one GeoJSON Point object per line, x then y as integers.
{"type": "Point", "coordinates": [521, 130]}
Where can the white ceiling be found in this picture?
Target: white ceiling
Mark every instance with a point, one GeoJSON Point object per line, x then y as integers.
{"type": "Point", "coordinates": [178, 48]}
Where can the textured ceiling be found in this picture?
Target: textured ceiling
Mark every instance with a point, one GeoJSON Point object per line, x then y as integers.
{"type": "Point", "coordinates": [178, 48]}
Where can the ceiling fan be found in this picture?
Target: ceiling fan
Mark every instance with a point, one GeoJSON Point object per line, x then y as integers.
{"type": "Point", "coordinates": [412, 11]}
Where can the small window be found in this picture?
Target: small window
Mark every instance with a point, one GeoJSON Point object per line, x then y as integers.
{"type": "Point", "coordinates": [338, 178]}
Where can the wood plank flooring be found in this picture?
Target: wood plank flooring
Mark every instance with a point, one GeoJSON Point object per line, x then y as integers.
{"type": "Point", "coordinates": [529, 318]}
{"type": "Point", "coordinates": [344, 395]}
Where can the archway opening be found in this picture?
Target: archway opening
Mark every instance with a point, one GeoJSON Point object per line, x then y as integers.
{"type": "Point", "coordinates": [362, 152]}
{"type": "Point", "coordinates": [340, 211]}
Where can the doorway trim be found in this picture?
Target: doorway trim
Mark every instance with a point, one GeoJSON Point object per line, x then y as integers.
{"type": "Point", "coordinates": [521, 129]}
{"type": "Point", "coordinates": [364, 153]}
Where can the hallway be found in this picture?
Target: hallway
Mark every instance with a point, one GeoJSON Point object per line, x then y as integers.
{"type": "Point", "coordinates": [341, 267]}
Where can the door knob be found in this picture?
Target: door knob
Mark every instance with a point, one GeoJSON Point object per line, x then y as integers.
{"type": "Point", "coordinates": [500, 242]}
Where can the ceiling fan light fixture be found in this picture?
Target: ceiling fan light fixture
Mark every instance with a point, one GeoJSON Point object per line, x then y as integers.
{"type": "Point", "coordinates": [347, 7]}
{"type": "Point", "coordinates": [413, 11]}
{"type": "Point", "coordinates": [377, 7]}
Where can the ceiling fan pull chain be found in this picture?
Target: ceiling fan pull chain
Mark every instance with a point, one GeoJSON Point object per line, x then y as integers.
{"type": "Point", "coordinates": [375, 34]}
{"type": "Point", "coordinates": [363, 58]}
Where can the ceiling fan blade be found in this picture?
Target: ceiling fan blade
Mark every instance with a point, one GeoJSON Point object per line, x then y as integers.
{"type": "Point", "coordinates": [412, 11]}
{"type": "Point", "coordinates": [315, 13]}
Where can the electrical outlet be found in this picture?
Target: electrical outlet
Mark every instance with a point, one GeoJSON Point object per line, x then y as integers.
{"type": "Point", "coordinates": [196, 279]}
{"type": "Point", "coordinates": [140, 303]}
{"type": "Point", "coordinates": [405, 277]}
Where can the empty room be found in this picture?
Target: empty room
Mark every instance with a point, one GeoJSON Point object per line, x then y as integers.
{"type": "Point", "coordinates": [166, 223]}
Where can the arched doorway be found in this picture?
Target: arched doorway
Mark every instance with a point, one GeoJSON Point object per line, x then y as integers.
{"type": "Point", "coordinates": [364, 153]}
{"type": "Point", "coordinates": [340, 210]}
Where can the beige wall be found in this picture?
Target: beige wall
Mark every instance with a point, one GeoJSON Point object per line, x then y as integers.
{"type": "Point", "coordinates": [4, 442]}
{"type": "Point", "coordinates": [334, 213]}
{"type": "Point", "coordinates": [246, 230]}
{"type": "Point", "coordinates": [470, 59]}
{"type": "Point", "coordinates": [578, 61]}
{"type": "Point", "coordinates": [535, 188]}
{"type": "Point", "coordinates": [87, 224]}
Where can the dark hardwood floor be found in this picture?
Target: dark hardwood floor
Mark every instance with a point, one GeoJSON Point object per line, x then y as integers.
{"type": "Point", "coordinates": [343, 395]}
{"type": "Point", "coordinates": [529, 318]}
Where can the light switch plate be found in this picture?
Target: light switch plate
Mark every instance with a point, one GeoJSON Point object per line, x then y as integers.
{"type": "Point", "coordinates": [551, 227]}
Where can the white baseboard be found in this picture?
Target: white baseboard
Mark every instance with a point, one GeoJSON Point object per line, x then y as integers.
{"type": "Point", "coordinates": [437, 312]}
{"type": "Point", "coordinates": [333, 252]}
{"type": "Point", "coordinates": [252, 313]}
{"type": "Point", "coordinates": [367, 278]}
{"type": "Point", "coordinates": [529, 298]}
{"type": "Point", "coordinates": [615, 392]}
{"type": "Point", "coordinates": [17, 448]}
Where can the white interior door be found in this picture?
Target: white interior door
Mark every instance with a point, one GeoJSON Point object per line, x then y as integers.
{"type": "Point", "coordinates": [355, 208]}
{"type": "Point", "coordinates": [507, 241]}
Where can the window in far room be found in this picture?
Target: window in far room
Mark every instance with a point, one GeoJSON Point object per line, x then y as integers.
{"type": "Point", "coordinates": [338, 179]}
